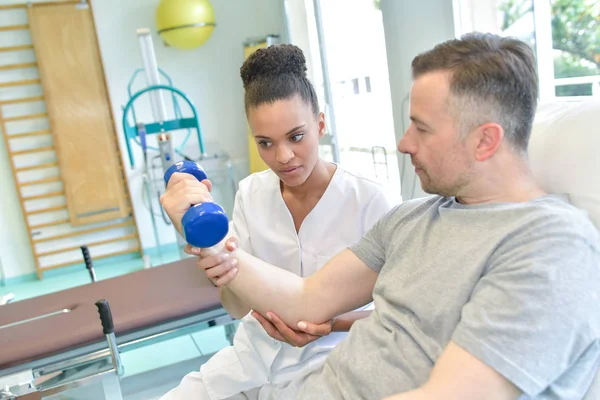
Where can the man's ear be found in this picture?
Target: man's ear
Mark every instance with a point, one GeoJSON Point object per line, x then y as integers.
{"type": "Point", "coordinates": [488, 138]}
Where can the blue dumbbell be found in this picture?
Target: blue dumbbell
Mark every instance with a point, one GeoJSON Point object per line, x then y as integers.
{"type": "Point", "coordinates": [204, 224]}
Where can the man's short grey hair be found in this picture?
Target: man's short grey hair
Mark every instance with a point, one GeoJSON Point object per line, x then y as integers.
{"type": "Point", "coordinates": [493, 79]}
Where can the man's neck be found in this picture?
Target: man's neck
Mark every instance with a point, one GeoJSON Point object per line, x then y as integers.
{"type": "Point", "coordinates": [506, 185]}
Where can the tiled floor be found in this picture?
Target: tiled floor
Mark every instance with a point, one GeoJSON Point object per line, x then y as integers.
{"type": "Point", "coordinates": [149, 371]}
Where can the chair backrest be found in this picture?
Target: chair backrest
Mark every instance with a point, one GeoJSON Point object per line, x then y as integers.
{"type": "Point", "coordinates": [564, 155]}
{"type": "Point", "coordinates": [564, 152]}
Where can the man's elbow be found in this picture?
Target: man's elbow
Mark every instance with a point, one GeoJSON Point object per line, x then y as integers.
{"type": "Point", "coordinates": [313, 308]}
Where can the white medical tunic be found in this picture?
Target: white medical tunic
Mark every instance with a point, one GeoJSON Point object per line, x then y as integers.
{"type": "Point", "coordinates": [265, 228]}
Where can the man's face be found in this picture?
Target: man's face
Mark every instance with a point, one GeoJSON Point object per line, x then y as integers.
{"type": "Point", "coordinates": [433, 141]}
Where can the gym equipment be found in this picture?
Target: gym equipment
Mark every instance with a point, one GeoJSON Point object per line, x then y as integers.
{"type": "Point", "coordinates": [185, 24]}
{"type": "Point", "coordinates": [162, 125]}
{"type": "Point", "coordinates": [53, 343]}
{"type": "Point", "coordinates": [89, 265]}
{"type": "Point", "coordinates": [137, 131]}
{"type": "Point", "coordinates": [205, 224]}
{"type": "Point", "coordinates": [163, 130]}
{"type": "Point", "coordinates": [108, 329]}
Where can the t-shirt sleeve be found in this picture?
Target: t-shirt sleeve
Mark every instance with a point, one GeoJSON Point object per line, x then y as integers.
{"type": "Point", "coordinates": [371, 247]}
{"type": "Point", "coordinates": [533, 314]}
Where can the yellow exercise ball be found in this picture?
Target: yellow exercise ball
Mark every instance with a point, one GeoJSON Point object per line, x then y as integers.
{"type": "Point", "coordinates": [185, 24]}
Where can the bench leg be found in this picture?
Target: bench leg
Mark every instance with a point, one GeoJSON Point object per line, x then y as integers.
{"type": "Point", "coordinates": [112, 387]}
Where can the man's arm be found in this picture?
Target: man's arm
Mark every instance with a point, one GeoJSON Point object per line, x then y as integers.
{"type": "Point", "coordinates": [342, 285]}
{"type": "Point", "coordinates": [235, 306]}
{"type": "Point", "coordinates": [220, 272]}
{"type": "Point", "coordinates": [458, 375]}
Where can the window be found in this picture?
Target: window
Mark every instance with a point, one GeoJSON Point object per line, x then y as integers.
{"type": "Point", "coordinates": [355, 86]}
{"type": "Point", "coordinates": [565, 35]}
{"type": "Point", "coordinates": [344, 45]}
{"type": "Point", "coordinates": [368, 84]}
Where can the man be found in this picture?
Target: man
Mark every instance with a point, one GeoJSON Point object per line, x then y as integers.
{"type": "Point", "coordinates": [486, 290]}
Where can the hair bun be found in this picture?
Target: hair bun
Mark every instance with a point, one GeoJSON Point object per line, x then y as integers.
{"type": "Point", "coordinates": [272, 61]}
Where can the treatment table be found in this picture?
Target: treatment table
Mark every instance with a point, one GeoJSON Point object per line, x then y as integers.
{"type": "Point", "coordinates": [56, 342]}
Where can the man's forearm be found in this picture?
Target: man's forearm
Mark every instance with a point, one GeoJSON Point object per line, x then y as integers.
{"type": "Point", "coordinates": [266, 288]}
{"type": "Point", "coordinates": [343, 284]}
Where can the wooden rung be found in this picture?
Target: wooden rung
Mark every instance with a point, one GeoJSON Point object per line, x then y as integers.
{"type": "Point", "coordinates": [30, 151]}
{"type": "Point", "coordinates": [44, 196]}
{"type": "Point", "coordinates": [28, 134]}
{"type": "Point", "coordinates": [53, 223]}
{"type": "Point", "coordinates": [45, 210]}
{"type": "Point", "coordinates": [17, 66]}
{"type": "Point", "coordinates": [41, 181]}
{"type": "Point", "coordinates": [22, 100]}
{"type": "Point", "coordinates": [136, 249]}
{"type": "Point", "coordinates": [12, 6]}
{"type": "Point", "coordinates": [13, 27]}
{"type": "Point", "coordinates": [27, 4]}
{"type": "Point", "coordinates": [25, 117]}
{"type": "Point", "coordinates": [97, 243]}
{"type": "Point", "coordinates": [24, 82]}
{"type": "Point", "coordinates": [84, 232]}
{"type": "Point", "coordinates": [39, 166]}
{"type": "Point", "coordinates": [17, 48]}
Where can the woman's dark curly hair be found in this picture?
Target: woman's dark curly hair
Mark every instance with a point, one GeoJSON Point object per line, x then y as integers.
{"type": "Point", "coordinates": [275, 73]}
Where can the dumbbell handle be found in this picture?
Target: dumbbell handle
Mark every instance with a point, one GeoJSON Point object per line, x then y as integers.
{"type": "Point", "coordinates": [214, 250]}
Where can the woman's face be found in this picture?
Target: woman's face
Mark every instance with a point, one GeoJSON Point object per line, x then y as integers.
{"type": "Point", "coordinates": [287, 134]}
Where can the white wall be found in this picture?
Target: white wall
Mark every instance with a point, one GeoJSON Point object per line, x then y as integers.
{"type": "Point", "coordinates": [209, 75]}
{"type": "Point", "coordinates": [411, 27]}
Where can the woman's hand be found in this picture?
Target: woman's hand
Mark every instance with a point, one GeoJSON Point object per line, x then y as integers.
{"type": "Point", "coordinates": [183, 191]}
{"type": "Point", "coordinates": [306, 333]}
{"type": "Point", "coordinates": [219, 268]}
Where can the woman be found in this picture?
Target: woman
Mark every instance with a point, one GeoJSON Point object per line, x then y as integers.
{"type": "Point", "coordinates": [296, 215]}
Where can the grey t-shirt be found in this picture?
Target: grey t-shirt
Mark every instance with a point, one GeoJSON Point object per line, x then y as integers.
{"type": "Point", "coordinates": [515, 284]}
